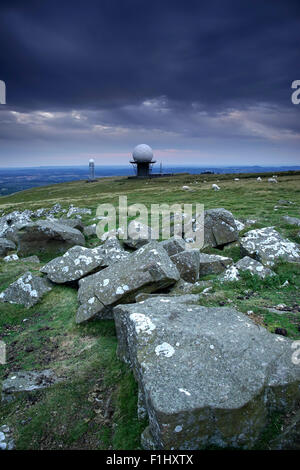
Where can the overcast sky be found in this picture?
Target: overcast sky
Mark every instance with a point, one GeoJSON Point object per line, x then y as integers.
{"type": "Point", "coordinates": [202, 82]}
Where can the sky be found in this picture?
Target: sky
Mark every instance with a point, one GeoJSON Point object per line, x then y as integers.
{"type": "Point", "coordinates": [202, 82]}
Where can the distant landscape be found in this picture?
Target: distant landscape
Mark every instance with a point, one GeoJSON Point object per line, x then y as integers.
{"type": "Point", "coordinates": [18, 179]}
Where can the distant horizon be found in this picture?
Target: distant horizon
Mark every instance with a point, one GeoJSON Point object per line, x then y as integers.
{"type": "Point", "coordinates": [188, 165]}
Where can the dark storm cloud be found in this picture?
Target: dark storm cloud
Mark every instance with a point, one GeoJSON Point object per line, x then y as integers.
{"type": "Point", "coordinates": [110, 53]}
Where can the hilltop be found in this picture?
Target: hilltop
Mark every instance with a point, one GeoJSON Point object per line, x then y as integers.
{"type": "Point", "coordinates": [95, 407]}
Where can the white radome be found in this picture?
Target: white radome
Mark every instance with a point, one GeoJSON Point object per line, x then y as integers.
{"type": "Point", "coordinates": [91, 160]}
{"type": "Point", "coordinates": [142, 153]}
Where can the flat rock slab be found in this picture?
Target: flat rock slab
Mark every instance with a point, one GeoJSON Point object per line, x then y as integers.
{"type": "Point", "coordinates": [207, 376]}
{"type": "Point", "coordinates": [148, 269]}
{"type": "Point", "coordinates": [79, 261]}
{"type": "Point", "coordinates": [47, 235]}
{"type": "Point", "coordinates": [24, 381]}
{"type": "Point", "coordinates": [291, 220]}
{"type": "Point", "coordinates": [219, 228]}
{"type": "Point", "coordinates": [213, 264]}
{"type": "Point", "coordinates": [174, 245]}
{"type": "Point", "coordinates": [254, 267]}
{"type": "Point", "coordinates": [268, 246]}
{"type": "Point", "coordinates": [27, 290]}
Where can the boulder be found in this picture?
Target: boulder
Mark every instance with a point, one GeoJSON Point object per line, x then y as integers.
{"type": "Point", "coordinates": [31, 259]}
{"type": "Point", "coordinates": [6, 246]}
{"type": "Point", "coordinates": [173, 245]}
{"type": "Point", "coordinates": [12, 257]}
{"type": "Point", "coordinates": [254, 267]}
{"type": "Point", "coordinates": [206, 376]}
{"type": "Point", "coordinates": [213, 264]}
{"type": "Point", "coordinates": [146, 270]}
{"type": "Point", "coordinates": [291, 220]}
{"type": "Point", "coordinates": [219, 228]}
{"type": "Point", "coordinates": [79, 261]}
{"type": "Point", "coordinates": [47, 235]}
{"type": "Point", "coordinates": [268, 246]}
{"type": "Point", "coordinates": [90, 230]}
{"type": "Point", "coordinates": [231, 274]}
{"type": "Point", "coordinates": [10, 221]}
{"type": "Point", "coordinates": [24, 381]}
{"type": "Point", "coordinates": [27, 290]}
{"type": "Point", "coordinates": [78, 211]}
{"type": "Point", "coordinates": [187, 263]}
{"type": "Point", "coordinates": [74, 223]}
{"type": "Point", "coordinates": [138, 234]}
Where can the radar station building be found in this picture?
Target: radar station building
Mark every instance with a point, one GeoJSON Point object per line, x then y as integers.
{"type": "Point", "coordinates": [142, 161]}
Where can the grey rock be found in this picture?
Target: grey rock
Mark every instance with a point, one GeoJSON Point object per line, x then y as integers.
{"type": "Point", "coordinates": [268, 246]}
{"type": "Point", "coordinates": [10, 221]}
{"type": "Point", "coordinates": [173, 245]}
{"type": "Point", "coordinates": [6, 439]}
{"type": "Point", "coordinates": [79, 261]}
{"type": "Point", "coordinates": [74, 223]}
{"type": "Point", "coordinates": [187, 263]}
{"type": "Point", "coordinates": [78, 210]}
{"type": "Point", "coordinates": [6, 246]}
{"type": "Point", "coordinates": [9, 258]}
{"type": "Point", "coordinates": [213, 264]}
{"type": "Point", "coordinates": [182, 287]}
{"type": "Point", "coordinates": [146, 270]}
{"type": "Point", "coordinates": [24, 381]}
{"type": "Point", "coordinates": [27, 290]}
{"type": "Point", "coordinates": [254, 267]}
{"type": "Point", "coordinates": [207, 376]}
{"type": "Point", "coordinates": [31, 259]}
{"type": "Point", "coordinates": [90, 230]}
{"type": "Point", "coordinates": [291, 220]}
{"type": "Point", "coordinates": [138, 234]}
{"type": "Point", "coordinates": [47, 235]}
{"type": "Point", "coordinates": [219, 228]}
{"type": "Point", "coordinates": [230, 274]}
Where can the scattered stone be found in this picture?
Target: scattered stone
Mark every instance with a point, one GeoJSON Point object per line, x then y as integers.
{"type": "Point", "coordinates": [13, 257]}
{"type": "Point", "coordinates": [27, 290]}
{"type": "Point", "coordinates": [6, 246]}
{"type": "Point", "coordinates": [10, 221]}
{"type": "Point", "coordinates": [147, 270]}
{"type": "Point", "coordinates": [239, 225]}
{"type": "Point", "coordinates": [213, 264]}
{"type": "Point", "coordinates": [199, 388]}
{"type": "Point", "coordinates": [6, 440]}
{"type": "Point", "coordinates": [219, 228]}
{"type": "Point", "coordinates": [187, 263]}
{"type": "Point", "coordinates": [258, 179]}
{"type": "Point", "coordinates": [77, 210]}
{"type": "Point", "coordinates": [79, 261]}
{"type": "Point", "coordinates": [267, 246]}
{"type": "Point", "coordinates": [31, 259]}
{"type": "Point", "coordinates": [138, 234]}
{"type": "Point", "coordinates": [254, 267]}
{"type": "Point", "coordinates": [272, 180]}
{"type": "Point", "coordinates": [90, 230]}
{"type": "Point", "coordinates": [47, 235]}
{"type": "Point", "coordinates": [215, 187]}
{"type": "Point", "coordinates": [291, 220]}
{"type": "Point", "coordinates": [19, 382]}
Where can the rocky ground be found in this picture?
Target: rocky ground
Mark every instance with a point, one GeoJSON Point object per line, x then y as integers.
{"type": "Point", "coordinates": [68, 301]}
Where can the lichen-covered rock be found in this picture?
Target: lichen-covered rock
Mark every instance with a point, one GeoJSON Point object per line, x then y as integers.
{"type": "Point", "coordinates": [187, 263]}
{"type": "Point", "coordinates": [6, 439]}
{"type": "Point", "coordinates": [230, 274]}
{"type": "Point", "coordinates": [24, 381]}
{"type": "Point", "coordinates": [90, 230]}
{"type": "Point", "coordinates": [13, 257]}
{"type": "Point", "coordinates": [219, 228]}
{"type": "Point", "coordinates": [254, 267]}
{"type": "Point", "coordinates": [6, 246]}
{"type": "Point", "coordinates": [207, 376]}
{"type": "Point", "coordinates": [173, 245]}
{"type": "Point", "coordinates": [138, 234]}
{"type": "Point", "coordinates": [79, 261]}
{"type": "Point", "coordinates": [27, 290]}
{"type": "Point", "coordinates": [73, 223]}
{"type": "Point", "coordinates": [268, 246]}
{"type": "Point", "coordinates": [78, 211]}
{"type": "Point", "coordinates": [213, 264]}
{"type": "Point", "coordinates": [47, 235]}
{"type": "Point", "coordinates": [9, 221]}
{"type": "Point", "coordinates": [148, 269]}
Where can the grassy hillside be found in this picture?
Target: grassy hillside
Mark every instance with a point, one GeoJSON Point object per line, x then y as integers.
{"type": "Point", "coordinates": [94, 407]}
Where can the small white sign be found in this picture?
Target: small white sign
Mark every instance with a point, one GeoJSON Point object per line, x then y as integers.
{"type": "Point", "coordinates": [2, 92]}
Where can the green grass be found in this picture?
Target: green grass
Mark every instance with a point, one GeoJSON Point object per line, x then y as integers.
{"type": "Point", "coordinates": [95, 405]}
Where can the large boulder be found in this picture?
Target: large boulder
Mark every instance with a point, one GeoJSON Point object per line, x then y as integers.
{"type": "Point", "coordinates": [79, 261]}
{"type": "Point", "coordinates": [213, 264]}
{"type": "Point", "coordinates": [268, 246]}
{"type": "Point", "coordinates": [254, 267]}
{"type": "Point", "coordinates": [146, 270]}
{"type": "Point", "coordinates": [6, 246]}
{"type": "Point", "coordinates": [206, 376]}
{"type": "Point", "coordinates": [47, 235]}
{"type": "Point", "coordinates": [27, 290]}
{"type": "Point", "coordinates": [219, 228]}
{"type": "Point", "coordinates": [173, 245]}
{"type": "Point", "coordinates": [187, 263]}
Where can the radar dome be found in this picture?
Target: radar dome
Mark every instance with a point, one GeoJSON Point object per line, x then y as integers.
{"type": "Point", "coordinates": [142, 153]}
{"type": "Point", "coordinates": [91, 160]}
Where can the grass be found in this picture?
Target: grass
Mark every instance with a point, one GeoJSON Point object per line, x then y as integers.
{"type": "Point", "coordinates": [95, 404]}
